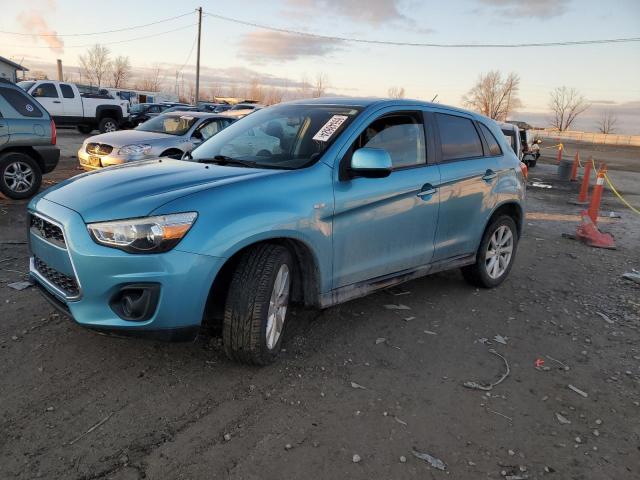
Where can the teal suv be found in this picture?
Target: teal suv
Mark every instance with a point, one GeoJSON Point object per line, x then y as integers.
{"type": "Point", "coordinates": [314, 202]}
{"type": "Point", "coordinates": [27, 142]}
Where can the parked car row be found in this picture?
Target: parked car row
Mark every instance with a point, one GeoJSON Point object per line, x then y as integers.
{"type": "Point", "coordinates": [313, 202]}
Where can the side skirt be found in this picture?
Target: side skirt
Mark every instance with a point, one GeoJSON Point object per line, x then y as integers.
{"type": "Point", "coordinates": [361, 289]}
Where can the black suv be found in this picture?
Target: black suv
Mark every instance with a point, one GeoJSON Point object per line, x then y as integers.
{"type": "Point", "coordinates": [27, 142]}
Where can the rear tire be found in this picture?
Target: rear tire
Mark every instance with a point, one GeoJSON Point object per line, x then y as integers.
{"type": "Point", "coordinates": [257, 305]}
{"type": "Point", "coordinates": [86, 129]}
{"type": "Point", "coordinates": [20, 175]}
{"type": "Point", "coordinates": [107, 124]}
{"type": "Point", "coordinates": [499, 239]}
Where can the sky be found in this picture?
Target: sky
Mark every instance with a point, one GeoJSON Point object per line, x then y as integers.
{"type": "Point", "coordinates": [608, 75]}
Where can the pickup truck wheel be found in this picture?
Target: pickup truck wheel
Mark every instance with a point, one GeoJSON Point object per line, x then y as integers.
{"type": "Point", "coordinates": [107, 125]}
{"type": "Point", "coordinates": [86, 129]}
{"type": "Point", "coordinates": [20, 175]}
{"type": "Point", "coordinates": [257, 304]}
{"type": "Point", "coordinates": [495, 255]}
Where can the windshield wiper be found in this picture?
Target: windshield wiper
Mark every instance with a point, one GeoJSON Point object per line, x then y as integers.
{"type": "Point", "coordinates": [224, 160]}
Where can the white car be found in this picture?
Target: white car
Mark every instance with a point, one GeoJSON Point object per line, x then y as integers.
{"type": "Point", "coordinates": [512, 134]}
{"type": "Point", "coordinates": [86, 111]}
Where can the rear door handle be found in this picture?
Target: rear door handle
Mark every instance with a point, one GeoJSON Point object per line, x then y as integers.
{"type": "Point", "coordinates": [427, 190]}
{"type": "Point", "coordinates": [56, 101]}
{"type": "Point", "coordinates": [489, 175]}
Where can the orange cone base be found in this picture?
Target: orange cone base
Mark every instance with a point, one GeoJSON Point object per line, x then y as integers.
{"type": "Point", "coordinates": [589, 234]}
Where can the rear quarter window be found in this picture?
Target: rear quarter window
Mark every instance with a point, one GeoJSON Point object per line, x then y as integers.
{"type": "Point", "coordinates": [21, 103]}
{"type": "Point", "coordinates": [458, 137]}
{"type": "Point", "coordinates": [494, 146]}
{"type": "Point", "coordinates": [67, 91]}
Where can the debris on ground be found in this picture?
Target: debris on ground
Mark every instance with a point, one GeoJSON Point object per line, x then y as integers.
{"type": "Point", "coordinates": [380, 340]}
{"type": "Point", "coordinates": [477, 386]}
{"type": "Point", "coordinates": [403, 459]}
{"type": "Point", "coordinates": [401, 422]}
{"type": "Point", "coordinates": [433, 461]}
{"type": "Point", "coordinates": [614, 215]}
{"type": "Point", "coordinates": [227, 437]}
{"type": "Point", "coordinates": [408, 319]}
{"type": "Point", "coordinates": [605, 318]}
{"type": "Point", "coordinates": [20, 285]}
{"type": "Point", "coordinates": [501, 339]}
{"type": "Point", "coordinates": [578, 391]}
{"type": "Point", "coordinates": [356, 458]}
{"type": "Point", "coordinates": [633, 275]}
{"type": "Point", "coordinates": [393, 306]}
{"type": "Point", "coordinates": [562, 419]}
{"type": "Point", "coordinates": [563, 365]}
{"type": "Point", "coordinates": [429, 332]}
{"type": "Point", "coordinates": [357, 385]}
{"type": "Point", "coordinates": [97, 425]}
{"type": "Point", "coordinates": [540, 185]}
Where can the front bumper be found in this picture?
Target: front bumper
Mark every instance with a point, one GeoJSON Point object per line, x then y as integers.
{"type": "Point", "coordinates": [184, 279]}
{"type": "Point", "coordinates": [95, 162]}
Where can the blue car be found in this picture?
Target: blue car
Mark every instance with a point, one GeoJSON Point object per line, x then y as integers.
{"type": "Point", "coordinates": [315, 202]}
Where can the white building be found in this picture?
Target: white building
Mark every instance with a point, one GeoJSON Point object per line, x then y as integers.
{"type": "Point", "coordinates": [9, 69]}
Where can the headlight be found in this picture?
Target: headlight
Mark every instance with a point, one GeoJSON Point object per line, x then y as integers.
{"type": "Point", "coordinates": [143, 235]}
{"type": "Point", "coordinates": [134, 149]}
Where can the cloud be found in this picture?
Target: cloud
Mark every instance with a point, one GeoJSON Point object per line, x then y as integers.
{"type": "Point", "coordinates": [374, 12]}
{"type": "Point", "coordinates": [262, 46]}
{"type": "Point", "coordinates": [518, 9]}
{"type": "Point", "coordinates": [34, 23]}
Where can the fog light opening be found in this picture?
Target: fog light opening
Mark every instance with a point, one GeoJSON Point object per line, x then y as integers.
{"type": "Point", "coordinates": [136, 303]}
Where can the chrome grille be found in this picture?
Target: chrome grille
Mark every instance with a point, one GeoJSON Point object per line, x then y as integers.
{"type": "Point", "coordinates": [47, 230]}
{"type": "Point", "coordinates": [99, 149]}
{"type": "Point", "coordinates": [67, 284]}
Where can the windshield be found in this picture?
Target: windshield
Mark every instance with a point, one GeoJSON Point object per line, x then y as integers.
{"type": "Point", "coordinates": [25, 85]}
{"type": "Point", "coordinates": [171, 124]}
{"type": "Point", "coordinates": [282, 136]}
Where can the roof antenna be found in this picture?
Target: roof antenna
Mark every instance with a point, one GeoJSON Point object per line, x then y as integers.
{"type": "Point", "coordinates": [434, 98]}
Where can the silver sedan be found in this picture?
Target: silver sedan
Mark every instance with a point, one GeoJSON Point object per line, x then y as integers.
{"type": "Point", "coordinates": [171, 134]}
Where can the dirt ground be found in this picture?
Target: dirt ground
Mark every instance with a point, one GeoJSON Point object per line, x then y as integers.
{"type": "Point", "coordinates": [358, 379]}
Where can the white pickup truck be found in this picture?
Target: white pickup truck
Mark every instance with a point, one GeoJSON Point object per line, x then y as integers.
{"type": "Point", "coordinates": [68, 106]}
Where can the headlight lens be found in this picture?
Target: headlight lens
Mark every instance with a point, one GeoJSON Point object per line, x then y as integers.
{"type": "Point", "coordinates": [143, 235]}
{"type": "Point", "coordinates": [141, 149]}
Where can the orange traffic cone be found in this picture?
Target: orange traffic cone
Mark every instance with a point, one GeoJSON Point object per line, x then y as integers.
{"type": "Point", "coordinates": [596, 197]}
{"type": "Point", "coordinates": [574, 168]}
{"type": "Point", "coordinates": [560, 148]}
{"type": "Point", "coordinates": [583, 197]}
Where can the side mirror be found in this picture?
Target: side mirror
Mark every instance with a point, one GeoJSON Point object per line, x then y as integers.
{"type": "Point", "coordinates": [197, 135]}
{"type": "Point", "coordinates": [370, 163]}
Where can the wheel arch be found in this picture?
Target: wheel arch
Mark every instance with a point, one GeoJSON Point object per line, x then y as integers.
{"type": "Point", "coordinates": [306, 278]}
{"type": "Point", "coordinates": [510, 208]}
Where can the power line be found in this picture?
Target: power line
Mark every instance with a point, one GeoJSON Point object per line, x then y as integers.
{"type": "Point", "coordinates": [111, 43]}
{"type": "Point", "coordinates": [412, 44]}
{"type": "Point", "coordinates": [95, 33]}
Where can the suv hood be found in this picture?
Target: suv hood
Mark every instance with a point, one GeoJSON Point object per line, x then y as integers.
{"type": "Point", "coordinates": [136, 189]}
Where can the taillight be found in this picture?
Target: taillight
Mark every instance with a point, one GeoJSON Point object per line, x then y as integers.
{"type": "Point", "coordinates": [524, 169]}
{"type": "Point", "coordinates": [54, 133]}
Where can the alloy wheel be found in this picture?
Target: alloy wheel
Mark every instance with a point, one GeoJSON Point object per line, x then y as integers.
{"type": "Point", "coordinates": [499, 252]}
{"type": "Point", "coordinates": [19, 177]}
{"type": "Point", "coordinates": [278, 304]}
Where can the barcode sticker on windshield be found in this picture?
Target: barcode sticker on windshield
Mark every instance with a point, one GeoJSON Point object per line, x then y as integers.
{"type": "Point", "coordinates": [330, 128]}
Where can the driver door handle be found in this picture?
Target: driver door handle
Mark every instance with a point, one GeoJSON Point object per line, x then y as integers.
{"type": "Point", "coordinates": [56, 101]}
{"type": "Point", "coordinates": [489, 175]}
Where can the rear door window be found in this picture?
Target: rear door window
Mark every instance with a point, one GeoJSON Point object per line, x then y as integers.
{"type": "Point", "coordinates": [67, 91]}
{"type": "Point", "coordinates": [21, 103]}
{"type": "Point", "coordinates": [46, 90]}
{"type": "Point", "coordinates": [458, 137]}
{"type": "Point", "coordinates": [494, 146]}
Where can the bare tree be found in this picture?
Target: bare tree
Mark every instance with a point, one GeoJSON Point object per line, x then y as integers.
{"type": "Point", "coordinates": [607, 123]}
{"type": "Point", "coordinates": [96, 64]}
{"type": "Point", "coordinates": [395, 92]}
{"type": "Point", "coordinates": [254, 91]}
{"type": "Point", "coordinates": [273, 95]}
{"type": "Point", "coordinates": [494, 96]}
{"type": "Point", "coordinates": [152, 81]}
{"type": "Point", "coordinates": [566, 104]}
{"type": "Point", "coordinates": [321, 84]}
{"type": "Point", "coordinates": [304, 90]}
{"type": "Point", "coordinates": [120, 72]}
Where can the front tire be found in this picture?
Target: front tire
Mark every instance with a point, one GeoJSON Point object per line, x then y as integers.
{"type": "Point", "coordinates": [495, 255]}
{"type": "Point", "coordinates": [108, 125]}
{"type": "Point", "coordinates": [257, 305]}
{"type": "Point", "coordinates": [20, 175]}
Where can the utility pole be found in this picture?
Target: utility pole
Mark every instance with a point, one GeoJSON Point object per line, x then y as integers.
{"type": "Point", "coordinates": [199, 10]}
